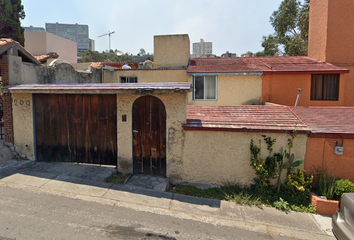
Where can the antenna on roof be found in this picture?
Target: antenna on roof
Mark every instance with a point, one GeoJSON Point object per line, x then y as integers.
{"type": "Point", "coordinates": [109, 36]}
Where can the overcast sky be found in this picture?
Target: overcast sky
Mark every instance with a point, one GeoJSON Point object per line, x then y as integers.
{"type": "Point", "coordinates": [236, 26]}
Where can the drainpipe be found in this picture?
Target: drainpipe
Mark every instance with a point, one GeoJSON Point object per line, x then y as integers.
{"type": "Point", "coordinates": [298, 97]}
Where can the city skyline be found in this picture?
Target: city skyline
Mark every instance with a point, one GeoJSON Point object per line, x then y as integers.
{"type": "Point", "coordinates": [234, 26]}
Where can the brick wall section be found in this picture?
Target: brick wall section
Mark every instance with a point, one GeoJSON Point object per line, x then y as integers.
{"type": "Point", "coordinates": [323, 206]}
{"type": "Point", "coordinates": [7, 102]}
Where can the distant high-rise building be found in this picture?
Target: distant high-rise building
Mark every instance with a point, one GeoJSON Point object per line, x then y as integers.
{"type": "Point", "coordinates": [34, 29]}
{"type": "Point", "coordinates": [202, 48]}
{"type": "Point", "coordinates": [74, 32]}
{"type": "Point", "coordinates": [91, 44]}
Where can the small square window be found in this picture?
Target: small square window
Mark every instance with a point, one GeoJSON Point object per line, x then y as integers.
{"type": "Point", "coordinates": [325, 87]}
{"type": "Point", "coordinates": [205, 88]}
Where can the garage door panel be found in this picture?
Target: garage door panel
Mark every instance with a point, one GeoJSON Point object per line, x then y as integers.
{"type": "Point", "coordinates": [76, 128]}
{"type": "Point", "coordinates": [63, 129]}
{"type": "Point", "coordinates": [94, 128]}
{"type": "Point", "coordinates": [111, 128]}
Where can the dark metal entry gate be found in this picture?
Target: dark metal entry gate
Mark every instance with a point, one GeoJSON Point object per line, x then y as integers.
{"type": "Point", "coordinates": [149, 136]}
{"type": "Point", "coordinates": [76, 128]}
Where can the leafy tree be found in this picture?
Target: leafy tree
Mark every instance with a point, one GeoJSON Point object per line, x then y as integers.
{"type": "Point", "coordinates": [11, 11]}
{"type": "Point", "coordinates": [92, 56]}
{"type": "Point", "coordinates": [291, 25]}
{"type": "Point", "coordinates": [271, 47]}
{"type": "Point", "coordinates": [142, 52]}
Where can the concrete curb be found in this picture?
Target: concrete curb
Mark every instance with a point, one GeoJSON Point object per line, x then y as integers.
{"type": "Point", "coordinates": [198, 209]}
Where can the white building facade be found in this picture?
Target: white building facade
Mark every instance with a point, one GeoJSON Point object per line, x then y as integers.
{"type": "Point", "coordinates": [202, 49]}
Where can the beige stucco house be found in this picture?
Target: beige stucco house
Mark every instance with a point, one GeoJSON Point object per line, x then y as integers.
{"type": "Point", "coordinates": [172, 64]}
{"type": "Point", "coordinates": [149, 128]}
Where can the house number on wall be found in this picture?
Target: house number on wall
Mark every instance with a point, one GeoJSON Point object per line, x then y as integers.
{"type": "Point", "coordinates": [21, 102]}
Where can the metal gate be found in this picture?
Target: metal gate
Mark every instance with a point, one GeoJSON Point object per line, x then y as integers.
{"type": "Point", "coordinates": [76, 128]}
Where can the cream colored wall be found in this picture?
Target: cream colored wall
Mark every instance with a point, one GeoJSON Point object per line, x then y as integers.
{"type": "Point", "coordinates": [41, 43]}
{"type": "Point", "coordinates": [171, 50]}
{"type": "Point", "coordinates": [36, 43]}
{"type": "Point", "coordinates": [221, 157]}
{"type": "Point", "coordinates": [234, 90]}
{"type": "Point", "coordinates": [22, 110]}
{"type": "Point", "coordinates": [147, 76]}
{"type": "Point", "coordinates": [176, 111]}
{"type": "Point", "coordinates": [66, 49]}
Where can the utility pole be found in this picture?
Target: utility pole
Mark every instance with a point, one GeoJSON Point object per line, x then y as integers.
{"type": "Point", "coordinates": [109, 38]}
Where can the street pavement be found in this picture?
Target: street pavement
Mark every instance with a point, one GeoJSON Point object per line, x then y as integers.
{"type": "Point", "coordinates": [85, 182]}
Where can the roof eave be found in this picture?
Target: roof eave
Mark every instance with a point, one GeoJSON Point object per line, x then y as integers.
{"type": "Point", "coordinates": [224, 73]}
{"type": "Point", "coordinates": [190, 128]}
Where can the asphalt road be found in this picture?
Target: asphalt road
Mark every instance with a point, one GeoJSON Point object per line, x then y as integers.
{"type": "Point", "coordinates": [28, 215]}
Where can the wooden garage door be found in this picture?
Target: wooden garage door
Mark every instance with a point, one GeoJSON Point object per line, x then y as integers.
{"type": "Point", "coordinates": [76, 128]}
{"type": "Point", "coordinates": [149, 136]}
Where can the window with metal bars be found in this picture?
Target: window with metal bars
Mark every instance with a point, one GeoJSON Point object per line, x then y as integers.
{"type": "Point", "coordinates": [325, 87]}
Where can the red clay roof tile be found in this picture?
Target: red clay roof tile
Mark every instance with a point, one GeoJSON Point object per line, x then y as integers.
{"type": "Point", "coordinates": [43, 58]}
{"type": "Point", "coordinates": [332, 120]}
{"type": "Point", "coordinates": [243, 118]}
{"type": "Point", "coordinates": [261, 64]}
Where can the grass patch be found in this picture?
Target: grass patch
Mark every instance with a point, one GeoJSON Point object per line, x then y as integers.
{"type": "Point", "coordinates": [117, 177]}
{"type": "Point", "coordinates": [253, 195]}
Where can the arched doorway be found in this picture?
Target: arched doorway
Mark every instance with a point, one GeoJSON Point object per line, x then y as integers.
{"type": "Point", "coordinates": [149, 136]}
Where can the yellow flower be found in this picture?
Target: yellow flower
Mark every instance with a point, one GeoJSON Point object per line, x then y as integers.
{"type": "Point", "coordinates": [260, 165]}
{"type": "Point", "coordinates": [302, 189]}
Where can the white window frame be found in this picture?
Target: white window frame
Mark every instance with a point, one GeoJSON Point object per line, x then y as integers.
{"type": "Point", "coordinates": [120, 78]}
{"type": "Point", "coordinates": [216, 88]}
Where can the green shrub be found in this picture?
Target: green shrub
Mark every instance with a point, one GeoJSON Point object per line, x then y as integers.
{"type": "Point", "coordinates": [281, 204]}
{"type": "Point", "coordinates": [324, 182]}
{"type": "Point", "coordinates": [343, 186]}
{"type": "Point", "coordinates": [298, 184]}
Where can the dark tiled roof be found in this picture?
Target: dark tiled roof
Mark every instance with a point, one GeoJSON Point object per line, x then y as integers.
{"type": "Point", "coordinates": [243, 118]}
{"type": "Point", "coordinates": [261, 64]}
{"type": "Point", "coordinates": [110, 88]}
{"type": "Point", "coordinates": [327, 120]}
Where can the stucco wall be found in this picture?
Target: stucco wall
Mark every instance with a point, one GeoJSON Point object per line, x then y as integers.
{"type": "Point", "coordinates": [171, 50]}
{"type": "Point", "coordinates": [22, 108]}
{"type": "Point", "coordinates": [318, 29]}
{"type": "Point", "coordinates": [60, 72]}
{"type": "Point", "coordinates": [234, 90]}
{"type": "Point", "coordinates": [221, 157]}
{"type": "Point", "coordinates": [147, 76]}
{"type": "Point", "coordinates": [349, 86]}
{"type": "Point", "coordinates": [66, 49]}
{"type": "Point", "coordinates": [282, 89]}
{"type": "Point", "coordinates": [36, 43]}
{"type": "Point", "coordinates": [175, 104]}
{"type": "Point", "coordinates": [15, 69]}
{"type": "Point", "coordinates": [320, 152]}
{"type": "Point", "coordinates": [41, 43]}
{"type": "Point", "coordinates": [330, 39]}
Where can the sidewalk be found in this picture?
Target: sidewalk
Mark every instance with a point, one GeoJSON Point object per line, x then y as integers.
{"type": "Point", "coordinates": [85, 182]}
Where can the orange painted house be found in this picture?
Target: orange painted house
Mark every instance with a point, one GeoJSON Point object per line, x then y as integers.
{"type": "Point", "coordinates": [281, 77]}
{"type": "Point", "coordinates": [331, 141]}
{"type": "Point", "coordinates": [331, 38]}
